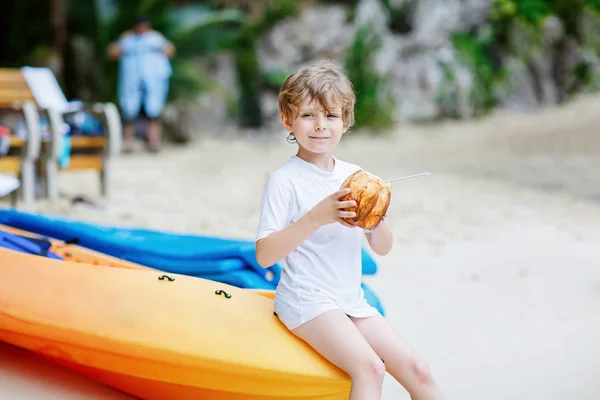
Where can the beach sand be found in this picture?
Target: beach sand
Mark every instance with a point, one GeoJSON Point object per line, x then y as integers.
{"type": "Point", "coordinates": [495, 273]}
{"type": "Point", "coordinates": [24, 376]}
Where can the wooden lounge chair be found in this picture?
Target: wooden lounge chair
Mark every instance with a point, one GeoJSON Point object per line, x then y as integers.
{"type": "Point", "coordinates": [38, 89]}
{"type": "Point", "coordinates": [23, 154]}
{"type": "Point", "coordinates": [87, 152]}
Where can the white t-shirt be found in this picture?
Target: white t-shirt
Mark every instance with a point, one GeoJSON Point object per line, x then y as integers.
{"type": "Point", "coordinates": [325, 271]}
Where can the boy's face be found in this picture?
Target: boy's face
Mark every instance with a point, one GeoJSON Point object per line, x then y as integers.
{"type": "Point", "coordinates": [316, 130]}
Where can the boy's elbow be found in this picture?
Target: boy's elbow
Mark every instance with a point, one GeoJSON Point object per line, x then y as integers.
{"type": "Point", "coordinates": [383, 252]}
{"type": "Point", "coordinates": [260, 255]}
{"type": "Point", "coordinates": [260, 260]}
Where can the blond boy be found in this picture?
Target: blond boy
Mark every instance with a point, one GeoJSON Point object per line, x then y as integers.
{"type": "Point", "coordinates": [319, 297]}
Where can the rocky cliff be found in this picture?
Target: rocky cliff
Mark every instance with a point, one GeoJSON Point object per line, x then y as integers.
{"type": "Point", "coordinates": [438, 58]}
{"type": "Point", "coordinates": [429, 53]}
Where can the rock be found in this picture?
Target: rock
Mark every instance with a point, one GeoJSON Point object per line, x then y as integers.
{"type": "Point", "coordinates": [415, 62]}
{"type": "Point", "coordinates": [415, 80]}
{"type": "Point", "coordinates": [372, 12]}
{"type": "Point", "coordinates": [532, 81]}
{"type": "Point", "coordinates": [221, 68]}
{"type": "Point", "coordinates": [428, 78]}
{"type": "Point", "coordinates": [318, 32]}
{"type": "Point", "coordinates": [517, 93]}
{"type": "Point", "coordinates": [423, 65]}
{"type": "Point", "coordinates": [543, 62]}
{"type": "Point", "coordinates": [429, 81]}
{"type": "Point", "coordinates": [439, 18]}
{"type": "Point", "coordinates": [185, 122]}
{"type": "Point", "coordinates": [387, 57]}
{"type": "Point", "coordinates": [588, 27]}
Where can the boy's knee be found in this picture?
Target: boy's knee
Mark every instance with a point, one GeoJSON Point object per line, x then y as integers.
{"type": "Point", "coordinates": [421, 371]}
{"type": "Point", "coordinates": [372, 369]}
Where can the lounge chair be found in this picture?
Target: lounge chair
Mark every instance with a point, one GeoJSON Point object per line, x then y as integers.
{"type": "Point", "coordinates": [86, 152]}
{"type": "Point", "coordinates": [23, 153]}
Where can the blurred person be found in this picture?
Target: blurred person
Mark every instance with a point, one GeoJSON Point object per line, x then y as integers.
{"type": "Point", "coordinates": [319, 297]}
{"type": "Point", "coordinates": [143, 84]}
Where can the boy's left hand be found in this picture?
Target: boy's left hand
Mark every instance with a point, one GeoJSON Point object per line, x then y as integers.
{"type": "Point", "coordinates": [378, 225]}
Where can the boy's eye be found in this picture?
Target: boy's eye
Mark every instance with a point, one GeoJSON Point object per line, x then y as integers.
{"type": "Point", "coordinates": [332, 116]}
{"type": "Point", "coordinates": [307, 115]}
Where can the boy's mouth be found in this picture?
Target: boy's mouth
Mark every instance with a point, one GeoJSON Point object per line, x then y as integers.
{"type": "Point", "coordinates": [318, 138]}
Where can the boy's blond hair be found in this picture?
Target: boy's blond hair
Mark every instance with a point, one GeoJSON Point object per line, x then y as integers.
{"type": "Point", "coordinates": [323, 83]}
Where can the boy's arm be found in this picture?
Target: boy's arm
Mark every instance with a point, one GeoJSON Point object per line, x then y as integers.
{"type": "Point", "coordinates": [380, 239]}
{"type": "Point", "coordinates": [275, 239]}
{"type": "Point", "coordinates": [277, 245]}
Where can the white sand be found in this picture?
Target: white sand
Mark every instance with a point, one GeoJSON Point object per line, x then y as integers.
{"type": "Point", "coordinates": [495, 274]}
{"type": "Point", "coordinates": [24, 376]}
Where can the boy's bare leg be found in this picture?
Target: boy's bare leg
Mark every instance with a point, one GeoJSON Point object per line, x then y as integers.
{"type": "Point", "coordinates": [335, 337]}
{"type": "Point", "coordinates": [401, 361]}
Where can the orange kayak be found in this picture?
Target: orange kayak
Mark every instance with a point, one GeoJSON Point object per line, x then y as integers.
{"type": "Point", "coordinates": [78, 254]}
{"type": "Point", "coordinates": [156, 338]}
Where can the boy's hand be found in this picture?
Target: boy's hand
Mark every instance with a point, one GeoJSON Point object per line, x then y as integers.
{"type": "Point", "coordinates": [331, 209]}
{"type": "Point", "coordinates": [378, 225]}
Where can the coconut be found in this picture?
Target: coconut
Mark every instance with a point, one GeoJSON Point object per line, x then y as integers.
{"type": "Point", "coordinates": [372, 197]}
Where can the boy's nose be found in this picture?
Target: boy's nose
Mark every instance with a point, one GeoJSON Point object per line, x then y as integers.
{"type": "Point", "coordinates": [319, 125]}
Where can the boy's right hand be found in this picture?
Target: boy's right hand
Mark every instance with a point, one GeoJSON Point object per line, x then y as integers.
{"type": "Point", "coordinates": [331, 209]}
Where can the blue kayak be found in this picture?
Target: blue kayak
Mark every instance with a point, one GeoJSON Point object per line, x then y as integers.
{"type": "Point", "coordinates": [178, 253]}
{"type": "Point", "coordinates": [243, 278]}
{"type": "Point", "coordinates": [173, 252]}
{"type": "Point", "coordinates": [372, 298]}
{"type": "Point", "coordinates": [231, 261]}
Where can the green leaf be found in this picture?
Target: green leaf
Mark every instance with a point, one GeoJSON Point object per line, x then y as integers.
{"type": "Point", "coordinates": [188, 80]}
{"type": "Point", "coordinates": [105, 10]}
{"type": "Point", "coordinates": [201, 33]}
{"type": "Point", "coordinates": [189, 18]}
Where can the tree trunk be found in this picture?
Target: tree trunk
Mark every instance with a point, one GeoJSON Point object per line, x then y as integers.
{"type": "Point", "coordinates": [58, 23]}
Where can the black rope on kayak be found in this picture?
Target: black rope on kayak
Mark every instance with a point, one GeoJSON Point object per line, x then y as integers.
{"type": "Point", "coordinates": [163, 277]}
{"type": "Point", "coordinates": [72, 241]}
{"type": "Point", "coordinates": [224, 293]}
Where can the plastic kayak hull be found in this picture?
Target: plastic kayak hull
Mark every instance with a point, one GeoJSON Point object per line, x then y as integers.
{"type": "Point", "coordinates": [157, 335]}
{"type": "Point", "coordinates": [54, 248]}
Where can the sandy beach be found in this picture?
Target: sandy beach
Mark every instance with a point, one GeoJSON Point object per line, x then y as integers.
{"type": "Point", "coordinates": [495, 274]}
{"type": "Point", "coordinates": [25, 376]}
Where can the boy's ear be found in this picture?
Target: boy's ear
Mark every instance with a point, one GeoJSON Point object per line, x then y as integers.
{"type": "Point", "coordinates": [287, 124]}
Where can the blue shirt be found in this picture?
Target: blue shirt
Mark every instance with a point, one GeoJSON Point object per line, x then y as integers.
{"type": "Point", "coordinates": [142, 59]}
